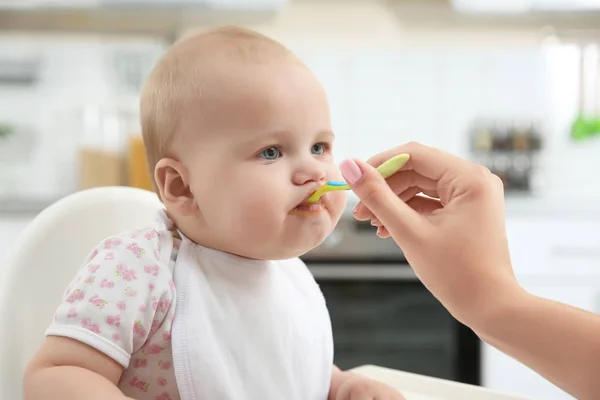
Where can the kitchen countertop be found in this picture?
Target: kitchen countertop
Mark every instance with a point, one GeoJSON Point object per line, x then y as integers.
{"type": "Point", "coordinates": [532, 205]}
{"type": "Point", "coordinates": [538, 206]}
{"type": "Point", "coordinates": [563, 205]}
{"type": "Point", "coordinates": [15, 207]}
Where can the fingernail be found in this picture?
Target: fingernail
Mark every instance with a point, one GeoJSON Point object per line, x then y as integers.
{"type": "Point", "coordinates": [350, 171]}
{"type": "Point", "coordinates": [356, 207]}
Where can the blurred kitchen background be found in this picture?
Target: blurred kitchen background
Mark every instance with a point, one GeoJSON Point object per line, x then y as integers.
{"type": "Point", "coordinates": [510, 84]}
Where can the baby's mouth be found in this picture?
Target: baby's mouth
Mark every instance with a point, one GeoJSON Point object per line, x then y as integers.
{"type": "Point", "coordinates": [312, 207]}
{"type": "Point", "coordinates": [305, 206]}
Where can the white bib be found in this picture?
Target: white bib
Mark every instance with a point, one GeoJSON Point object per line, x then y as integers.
{"type": "Point", "coordinates": [248, 329]}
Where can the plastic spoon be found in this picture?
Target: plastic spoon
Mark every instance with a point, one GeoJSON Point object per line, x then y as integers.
{"type": "Point", "coordinates": [387, 169]}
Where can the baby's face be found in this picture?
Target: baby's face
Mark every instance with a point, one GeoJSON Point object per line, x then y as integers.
{"type": "Point", "coordinates": [267, 147]}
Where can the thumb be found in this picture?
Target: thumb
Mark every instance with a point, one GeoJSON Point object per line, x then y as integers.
{"type": "Point", "coordinates": [399, 219]}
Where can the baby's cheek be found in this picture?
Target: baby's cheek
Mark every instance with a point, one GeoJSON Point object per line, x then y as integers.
{"type": "Point", "coordinates": [338, 204]}
{"type": "Point", "coordinates": [334, 174]}
{"type": "Point", "coordinates": [262, 203]}
{"type": "Point", "coordinates": [258, 211]}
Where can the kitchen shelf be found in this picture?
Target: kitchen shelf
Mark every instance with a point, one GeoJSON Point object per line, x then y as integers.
{"type": "Point", "coordinates": [439, 14]}
{"type": "Point", "coordinates": [162, 22]}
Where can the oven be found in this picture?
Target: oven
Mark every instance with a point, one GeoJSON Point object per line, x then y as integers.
{"type": "Point", "coordinates": [381, 314]}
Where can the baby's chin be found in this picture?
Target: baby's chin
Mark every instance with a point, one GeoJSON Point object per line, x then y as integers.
{"type": "Point", "coordinates": [304, 245]}
{"type": "Point", "coordinates": [291, 248]}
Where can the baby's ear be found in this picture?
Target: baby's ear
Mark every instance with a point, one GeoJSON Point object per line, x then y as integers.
{"type": "Point", "coordinates": [172, 180]}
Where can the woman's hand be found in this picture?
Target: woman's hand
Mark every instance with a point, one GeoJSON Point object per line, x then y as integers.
{"type": "Point", "coordinates": [456, 243]}
{"type": "Point", "coordinates": [454, 239]}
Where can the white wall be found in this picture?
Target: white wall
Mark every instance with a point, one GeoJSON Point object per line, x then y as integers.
{"type": "Point", "coordinates": [390, 79]}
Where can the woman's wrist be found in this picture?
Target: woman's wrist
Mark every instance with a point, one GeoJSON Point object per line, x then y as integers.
{"type": "Point", "coordinates": [498, 309]}
{"type": "Point", "coordinates": [487, 300]}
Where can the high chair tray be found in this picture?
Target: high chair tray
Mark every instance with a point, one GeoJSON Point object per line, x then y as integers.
{"type": "Point", "coordinates": [420, 387]}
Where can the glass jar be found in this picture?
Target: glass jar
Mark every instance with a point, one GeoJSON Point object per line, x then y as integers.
{"type": "Point", "coordinates": [103, 150]}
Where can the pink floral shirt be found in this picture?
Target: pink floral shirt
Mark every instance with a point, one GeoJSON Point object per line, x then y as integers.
{"type": "Point", "coordinates": [122, 303]}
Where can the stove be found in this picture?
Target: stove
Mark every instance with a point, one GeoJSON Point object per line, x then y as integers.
{"type": "Point", "coordinates": [381, 313]}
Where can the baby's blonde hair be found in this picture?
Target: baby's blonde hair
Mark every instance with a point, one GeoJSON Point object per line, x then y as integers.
{"type": "Point", "coordinates": [180, 77]}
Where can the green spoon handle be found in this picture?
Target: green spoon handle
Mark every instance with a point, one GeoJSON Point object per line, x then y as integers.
{"type": "Point", "coordinates": [387, 169]}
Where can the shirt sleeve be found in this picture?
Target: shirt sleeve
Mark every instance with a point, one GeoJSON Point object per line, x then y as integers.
{"type": "Point", "coordinates": [117, 299]}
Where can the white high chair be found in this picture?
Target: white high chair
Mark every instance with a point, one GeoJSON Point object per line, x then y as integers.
{"type": "Point", "coordinates": [46, 255]}
{"type": "Point", "coordinates": [45, 258]}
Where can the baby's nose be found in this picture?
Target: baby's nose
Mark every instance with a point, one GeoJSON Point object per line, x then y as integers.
{"type": "Point", "coordinates": [310, 174]}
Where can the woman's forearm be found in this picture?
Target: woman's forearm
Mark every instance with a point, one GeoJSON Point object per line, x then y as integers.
{"type": "Point", "coordinates": [560, 342]}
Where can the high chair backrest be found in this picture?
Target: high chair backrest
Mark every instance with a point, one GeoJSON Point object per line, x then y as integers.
{"type": "Point", "coordinates": [45, 258]}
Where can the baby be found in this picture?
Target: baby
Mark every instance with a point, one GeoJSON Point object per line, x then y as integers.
{"type": "Point", "coordinates": [213, 303]}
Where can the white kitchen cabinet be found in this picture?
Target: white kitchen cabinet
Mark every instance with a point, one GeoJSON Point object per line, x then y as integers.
{"type": "Point", "coordinates": [555, 246]}
{"type": "Point", "coordinates": [556, 257]}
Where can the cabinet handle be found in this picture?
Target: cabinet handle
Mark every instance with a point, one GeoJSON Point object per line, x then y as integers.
{"type": "Point", "coordinates": [400, 272]}
{"type": "Point", "coordinates": [587, 251]}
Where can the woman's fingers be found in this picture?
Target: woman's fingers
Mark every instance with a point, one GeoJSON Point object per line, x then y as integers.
{"type": "Point", "coordinates": [403, 180]}
{"type": "Point", "coordinates": [406, 184]}
{"type": "Point", "coordinates": [424, 205]}
{"type": "Point", "coordinates": [421, 204]}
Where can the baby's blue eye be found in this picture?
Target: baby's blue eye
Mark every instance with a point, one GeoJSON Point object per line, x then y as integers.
{"type": "Point", "coordinates": [270, 153]}
{"type": "Point", "coordinates": [318, 149]}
